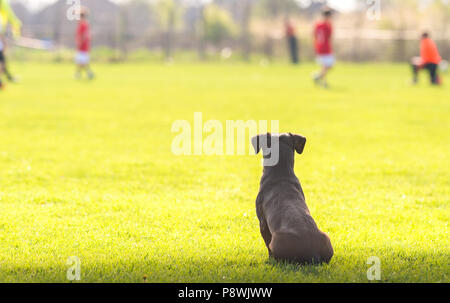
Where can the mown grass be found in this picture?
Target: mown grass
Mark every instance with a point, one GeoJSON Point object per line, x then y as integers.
{"type": "Point", "coordinates": [86, 170]}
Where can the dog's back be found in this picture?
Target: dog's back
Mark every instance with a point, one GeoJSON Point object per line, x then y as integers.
{"type": "Point", "coordinates": [295, 235]}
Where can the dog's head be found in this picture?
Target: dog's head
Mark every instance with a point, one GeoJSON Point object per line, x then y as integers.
{"type": "Point", "coordinates": [278, 148]}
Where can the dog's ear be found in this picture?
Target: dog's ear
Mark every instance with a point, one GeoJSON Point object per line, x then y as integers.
{"type": "Point", "coordinates": [299, 143]}
{"type": "Point", "coordinates": [256, 142]}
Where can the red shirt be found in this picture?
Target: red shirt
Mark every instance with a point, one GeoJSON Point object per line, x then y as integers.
{"type": "Point", "coordinates": [322, 36]}
{"type": "Point", "coordinates": [83, 36]}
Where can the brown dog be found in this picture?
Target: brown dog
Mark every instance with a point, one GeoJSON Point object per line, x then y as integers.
{"type": "Point", "coordinates": [289, 231]}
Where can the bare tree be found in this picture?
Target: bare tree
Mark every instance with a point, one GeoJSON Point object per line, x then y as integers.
{"type": "Point", "coordinates": [200, 24]}
{"type": "Point", "coordinates": [169, 12]}
{"type": "Point", "coordinates": [57, 22]}
{"type": "Point", "coordinates": [123, 31]}
{"type": "Point", "coordinates": [245, 38]}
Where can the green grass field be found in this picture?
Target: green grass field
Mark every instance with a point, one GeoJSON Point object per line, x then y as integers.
{"type": "Point", "coordinates": [86, 170]}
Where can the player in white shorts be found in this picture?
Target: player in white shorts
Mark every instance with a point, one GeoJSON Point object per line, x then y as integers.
{"type": "Point", "coordinates": [82, 58]}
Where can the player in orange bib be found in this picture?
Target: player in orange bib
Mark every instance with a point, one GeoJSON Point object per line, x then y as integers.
{"type": "Point", "coordinates": [429, 59]}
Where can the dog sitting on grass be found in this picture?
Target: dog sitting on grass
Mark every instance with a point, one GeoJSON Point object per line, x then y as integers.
{"type": "Point", "coordinates": [289, 231]}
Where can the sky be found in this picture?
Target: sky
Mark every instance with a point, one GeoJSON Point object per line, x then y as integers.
{"type": "Point", "coordinates": [37, 4]}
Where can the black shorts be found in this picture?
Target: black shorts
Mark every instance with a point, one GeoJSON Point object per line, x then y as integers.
{"type": "Point", "coordinates": [2, 57]}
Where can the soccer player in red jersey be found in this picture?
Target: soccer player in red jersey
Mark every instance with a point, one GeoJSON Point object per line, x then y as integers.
{"type": "Point", "coordinates": [83, 36]}
{"type": "Point", "coordinates": [322, 37]}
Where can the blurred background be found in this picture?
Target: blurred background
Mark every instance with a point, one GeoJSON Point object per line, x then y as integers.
{"type": "Point", "coordinates": [234, 29]}
{"type": "Point", "coordinates": [87, 168]}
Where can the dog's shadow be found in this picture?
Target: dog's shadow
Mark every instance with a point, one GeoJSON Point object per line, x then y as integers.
{"type": "Point", "coordinates": [308, 269]}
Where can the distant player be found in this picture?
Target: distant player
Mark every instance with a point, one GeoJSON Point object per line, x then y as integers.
{"type": "Point", "coordinates": [322, 37]}
{"type": "Point", "coordinates": [292, 40]}
{"type": "Point", "coordinates": [7, 17]}
{"type": "Point", "coordinates": [83, 36]}
{"type": "Point", "coordinates": [429, 59]}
